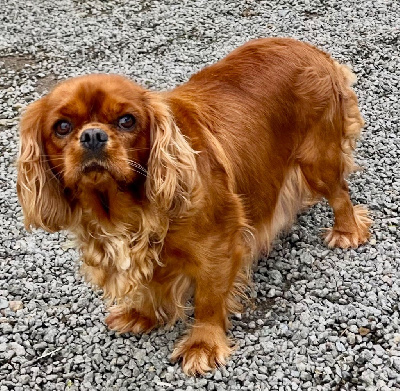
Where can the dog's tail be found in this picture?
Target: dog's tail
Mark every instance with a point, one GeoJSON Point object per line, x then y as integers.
{"type": "Point", "coordinates": [352, 119]}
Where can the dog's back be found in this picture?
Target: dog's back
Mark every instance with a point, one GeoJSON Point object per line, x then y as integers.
{"type": "Point", "coordinates": [283, 118]}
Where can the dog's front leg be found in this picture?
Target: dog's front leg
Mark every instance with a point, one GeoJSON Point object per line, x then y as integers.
{"type": "Point", "coordinates": [206, 346]}
{"type": "Point", "coordinates": [158, 302]}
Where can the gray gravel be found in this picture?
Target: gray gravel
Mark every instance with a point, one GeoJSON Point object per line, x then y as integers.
{"type": "Point", "coordinates": [322, 319]}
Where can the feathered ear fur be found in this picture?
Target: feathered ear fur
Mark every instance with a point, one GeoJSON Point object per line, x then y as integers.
{"type": "Point", "coordinates": [172, 173]}
{"type": "Point", "coordinates": [39, 191]}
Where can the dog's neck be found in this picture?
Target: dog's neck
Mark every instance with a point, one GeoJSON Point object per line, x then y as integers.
{"type": "Point", "coordinates": [108, 207]}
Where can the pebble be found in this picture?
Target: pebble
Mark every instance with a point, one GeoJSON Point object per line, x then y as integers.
{"type": "Point", "coordinates": [15, 305]}
{"type": "Point", "coordinates": [3, 303]}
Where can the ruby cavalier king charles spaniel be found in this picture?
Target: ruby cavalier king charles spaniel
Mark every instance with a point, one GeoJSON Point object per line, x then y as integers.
{"type": "Point", "coordinates": [175, 194]}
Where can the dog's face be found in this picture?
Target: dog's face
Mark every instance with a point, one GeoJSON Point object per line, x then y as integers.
{"type": "Point", "coordinates": [92, 133]}
{"type": "Point", "coordinates": [94, 129]}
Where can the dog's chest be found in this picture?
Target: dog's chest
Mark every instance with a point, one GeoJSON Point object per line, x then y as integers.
{"type": "Point", "coordinates": [126, 246]}
{"type": "Point", "coordinates": [105, 248]}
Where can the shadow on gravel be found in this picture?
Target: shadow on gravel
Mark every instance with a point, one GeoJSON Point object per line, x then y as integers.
{"type": "Point", "coordinates": [46, 83]}
{"type": "Point", "coordinates": [16, 63]}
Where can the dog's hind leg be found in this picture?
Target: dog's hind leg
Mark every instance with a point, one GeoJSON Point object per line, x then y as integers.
{"type": "Point", "coordinates": [325, 158]}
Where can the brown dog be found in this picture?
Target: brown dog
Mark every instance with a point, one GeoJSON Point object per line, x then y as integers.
{"type": "Point", "coordinates": [178, 192]}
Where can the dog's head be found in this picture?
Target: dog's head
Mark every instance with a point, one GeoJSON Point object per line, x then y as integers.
{"type": "Point", "coordinates": [97, 131]}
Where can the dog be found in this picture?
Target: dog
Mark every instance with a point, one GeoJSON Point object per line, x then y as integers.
{"type": "Point", "coordinates": [173, 195]}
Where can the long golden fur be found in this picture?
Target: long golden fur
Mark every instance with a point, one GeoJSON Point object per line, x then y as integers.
{"type": "Point", "coordinates": [176, 194]}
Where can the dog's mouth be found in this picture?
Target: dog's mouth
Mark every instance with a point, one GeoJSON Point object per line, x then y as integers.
{"type": "Point", "coordinates": [94, 166]}
{"type": "Point", "coordinates": [95, 172]}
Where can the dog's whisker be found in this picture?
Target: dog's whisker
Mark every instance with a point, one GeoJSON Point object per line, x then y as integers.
{"type": "Point", "coordinates": [54, 167]}
{"type": "Point", "coordinates": [137, 167]}
{"type": "Point", "coordinates": [43, 160]}
{"type": "Point", "coordinates": [140, 172]}
{"type": "Point", "coordinates": [136, 164]}
{"type": "Point", "coordinates": [137, 149]}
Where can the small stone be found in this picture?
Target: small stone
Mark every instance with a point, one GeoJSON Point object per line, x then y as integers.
{"type": "Point", "coordinates": [351, 338]}
{"type": "Point", "coordinates": [40, 346]}
{"type": "Point", "coordinates": [15, 305]}
{"type": "Point", "coordinates": [276, 276]}
{"type": "Point", "coordinates": [306, 258]}
{"type": "Point", "coordinates": [24, 379]}
{"type": "Point", "coordinates": [3, 303]}
{"type": "Point", "coordinates": [169, 377]}
{"type": "Point", "coordinates": [305, 376]}
{"type": "Point", "coordinates": [340, 347]}
{"type": "Point", "coordinates": [267, 346]}
{"type": "Point", "coordinates": [79, 359]}
{"type": "Point", "coordinates": [368, 377]}
{"type": "Point", "coordinates": [353, 329]}
{"type": "Point", "coordinates": [17, 348]}
{"type": "Point", "coordinates": [295, 238]}
{"type": "Point", "coordinates": [363, 331]}
{"type": "Point", "coordinates": [140, 354]}
{"type": "Point", "coordinates": [379, 350]}
{"type": "Point", "coordinates": [376, 361]}
{"type": "Point", "coordinates": [50, 335]}
{"type": "Point", "coordinates": [279, 374]}
{"type": "Point", "coordinates": [283, 13]}
{"type": "Point", "coordinates": [9, 354]}
{"type": "Point", "coordinates": [396, 363]}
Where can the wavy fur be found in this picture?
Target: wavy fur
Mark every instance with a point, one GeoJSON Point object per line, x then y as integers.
{"type": "Point", "coordinates": [172, 165]}
{"type": "Point", "coordinates": [178, 199]}
{"type": "Point", "coordinates": [38, 189]}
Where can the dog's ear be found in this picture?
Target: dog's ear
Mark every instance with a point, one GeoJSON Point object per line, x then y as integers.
{"type": "Point", "coordinates": [172, 173]}
{"type": "Point", "coordinates": [39, 191]}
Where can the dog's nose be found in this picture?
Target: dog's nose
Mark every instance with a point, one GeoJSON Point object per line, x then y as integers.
{"type": "Point", "coordinates": [93, 139]}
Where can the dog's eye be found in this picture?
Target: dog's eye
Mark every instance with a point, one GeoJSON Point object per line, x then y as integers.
{"type": "Point", "coordinates": [126, 122]}
{"type": "Point", "coordinates": [62, 128]}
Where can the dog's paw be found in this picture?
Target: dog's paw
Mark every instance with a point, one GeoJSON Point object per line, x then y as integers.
{"type": "Point", "coordinates": [200, 354]}
{"type": "Point", "coordinates": [336, 238]}
{"type": "Point", "coordinates": [128, 321]}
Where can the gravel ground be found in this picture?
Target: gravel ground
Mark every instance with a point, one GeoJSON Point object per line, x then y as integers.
{"type": "Point", "coordinates": [322, 319]}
